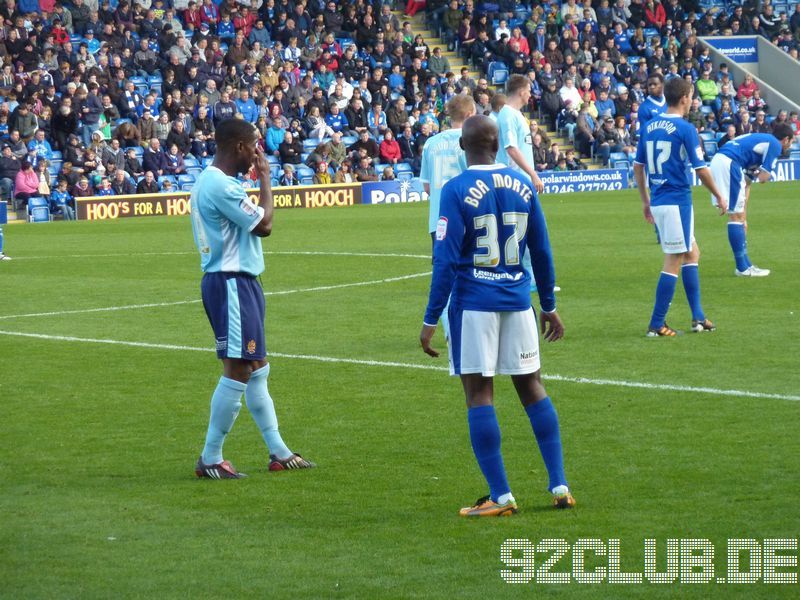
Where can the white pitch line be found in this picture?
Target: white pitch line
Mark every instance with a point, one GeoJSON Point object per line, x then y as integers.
{"type": "Point", "coordinates": [269, 253]}
{"type": "Point", "coordinates": [319, 288]}
{"type": "Point", "coordinates": [418, 366]}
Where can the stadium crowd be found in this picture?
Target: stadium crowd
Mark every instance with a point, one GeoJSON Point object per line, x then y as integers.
{"type": "Point", "coordinates": [105, 98]}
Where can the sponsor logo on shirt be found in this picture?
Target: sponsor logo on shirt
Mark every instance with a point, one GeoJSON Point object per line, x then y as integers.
{"type": "Point", "coordinates": [248, 208]}
{"type": "Point", "coordinates": [441, 228]}
{"type": "Point", "coordinates": [492, 276]}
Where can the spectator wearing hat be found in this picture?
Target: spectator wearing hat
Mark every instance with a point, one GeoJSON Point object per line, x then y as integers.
{"type": "Point", "coordinates": [608, 140]}
{"type": "Point", "coordinates": [288, 178]}
{"type": "Point", "coordinates": [82, 189]}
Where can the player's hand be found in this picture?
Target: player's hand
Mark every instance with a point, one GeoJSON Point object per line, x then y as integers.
{"type": "Point", "coordinates": [425, 337]}
{"type": "Point", "coordinates": [551, 326]}
{"type": "Point", "coordinates": [261, 164]}
{"type": "Point", "coordinates": [648, 216]}
{"type": "Point", "coordinates": [538, 184]}
{"type": "Point", "coordinates": [722, 205]}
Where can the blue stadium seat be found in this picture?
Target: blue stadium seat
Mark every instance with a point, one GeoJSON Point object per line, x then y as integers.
{"type": "Point", "coordinates": [707, 136]}
{"type": "Point", "coordinates": [309, 145]}
{"type": "Point", "coordinates": [186, 178]}
{"type": "Point", "coordinates": [618, 160]}
{"type": "Point", "coordinates": [499, 77]}
{"type": "Point", "coordinates": [710, 146]}
{"type": "Point", "coordinates": [187, 187]}
{"type": "Point", "coordinates": [275, 170]}
{"type": "Point", "coordinates": [38, 210]}
{"type": "Point", "coordinates": [57, 155]}
{"type": "Point", "coordinates": [305, 175]}
{"type": "Point", "coordinates": [190, 161]}
{"type": "Point", "coordinates": [194, 171]}
{"type": "Point", "coordinates": [404, 171]}
{"type": "Point", "coordinates": [138, 150]}
{"type": "Point", "coordinates": [273, 160]}
{"type": "Point", "coordinates": [349, 140]}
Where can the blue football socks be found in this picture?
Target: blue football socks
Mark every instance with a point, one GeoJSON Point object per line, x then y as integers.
{"type": "Point", "coordinates": [691, 284]}
{"type": "Point", "coordinates": [261, 407]}
{"type": "Point", "coordinates": [544, 421]}
{"type": "Point", "coordinates": [225, 405]}
{"type": "Point", "coordinates": [484, 433]}
{"type": "Point", "coordinates": [665, 290]}
{"type": "Point", "coordinates": [738, 241]}
{"type": "Point", "coordinates": [1, 240]}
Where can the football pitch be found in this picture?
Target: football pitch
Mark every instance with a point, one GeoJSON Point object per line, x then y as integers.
{"type": "Point", "coordinates": [107, 367]}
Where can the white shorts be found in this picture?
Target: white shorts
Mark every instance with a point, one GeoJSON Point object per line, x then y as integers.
{"type": "Point", "coordinates": [729, 178]}
{"type": "Point", "coordinates": [675, 225]}
{"type": "Point", "coordinates": [493, 343]}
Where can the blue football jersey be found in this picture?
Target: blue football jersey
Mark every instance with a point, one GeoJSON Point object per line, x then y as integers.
{"type": "Point", "coordinates": [651, 107]}
{"type": "Point", "coordinates": [442, 159]}
{"type": "Point", "coordinates": [222, 219]}
{"type": "Point", "coordinates": [665, 146]}
{"type": "Point", "coordinates": [754, 150]}
{"type": "Point", "coordinates": [489, 214]}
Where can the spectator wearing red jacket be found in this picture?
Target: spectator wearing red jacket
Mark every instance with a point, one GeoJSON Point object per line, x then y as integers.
{"type": "Point", "coordinates": [389, 149]}
{"type": "Point", "coordinates": [654, 14]}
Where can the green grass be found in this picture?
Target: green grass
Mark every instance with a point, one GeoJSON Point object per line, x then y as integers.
{"type": "Point", "coordinates": [98, 496]}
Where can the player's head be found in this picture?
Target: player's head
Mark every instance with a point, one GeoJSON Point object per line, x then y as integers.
{"type": "Point", "coordinates": [460, 108]}
{"type": "Point", "coordinates": [655, 85]}
{"type": "Point", "coordinates": [236, 141]}
{"type": "Point", "coordinates": [479, 140]}
{"type": "Point", "coordinates": [678, 94]}
{"type": "Point", "coordinates": [498, 101]}
{"type": "Point", "coordinates": [785, 134]}
{"type": "Point", "coordinates": [519, 85]}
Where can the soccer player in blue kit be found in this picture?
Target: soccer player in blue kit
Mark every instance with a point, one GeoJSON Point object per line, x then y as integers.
{"type": "Point", "coordinates": [655, 103]}
{"type": "Point", "coordinates": [745, 159]}
{"type": "Point", "coordinates": [227, 230]}
{"type": "Point", "coordinates": [664, 147]}
{"type": "Point", "coordinates": [489, 214]}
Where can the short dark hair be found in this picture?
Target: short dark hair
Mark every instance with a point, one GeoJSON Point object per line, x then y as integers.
{"type": "Point", "coordinates": [232, 131]}
{"type": "Point", "coordinates": [658, 76]}
{"type": "Point", "coordinates": [675, 89]}
{"type": "Point", "coordinates": [517, 83]}
{"type": "Point", "coordinates": [783, 130]}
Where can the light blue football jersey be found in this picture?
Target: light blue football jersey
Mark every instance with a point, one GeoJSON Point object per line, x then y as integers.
{"type": "Point", "coordinates": [754, 150]}
{"type": "Point", "coordinates": [222, 219]}
{"type": "Point", "coordinates": [665, 146]}
{"type": "Point", "coordinates": [442, 159]}
{"type": "Point", "coordinates": [515, 130]}
{"type": "Point", "coordinates": [650, 108]}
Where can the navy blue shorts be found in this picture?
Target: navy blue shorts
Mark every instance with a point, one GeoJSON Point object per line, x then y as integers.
{"type": "Point", "coordinates": [234, 304]}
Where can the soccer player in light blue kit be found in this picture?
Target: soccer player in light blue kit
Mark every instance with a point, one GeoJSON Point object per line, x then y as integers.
{"type": "Point", "coordinates": [516, 143]}
{"type": "Point", "coordinates": [741, 161]}
{"type": "Point", "coordinates": [443, 159]}
{"type": "Point", "coordinates": [227, 231]}
{"type": "Point", "coordinates": [664, 148]}
{"type": "Point", "coordinates": [489, 215]}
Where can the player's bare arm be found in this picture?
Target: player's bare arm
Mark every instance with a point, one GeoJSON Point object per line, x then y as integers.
{"type": "Point", "coordinates": [644, 192]}
{"type": "Point", "coordinates": [265, 201]}
{"type": "Point", "coordinates": [517, 157]}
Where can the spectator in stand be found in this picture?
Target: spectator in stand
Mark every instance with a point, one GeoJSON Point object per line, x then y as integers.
{"type": "Point", "coordinates": [321, 175]}
{"type": "Point", "coordinates": [364, 141]}
{"type": "Point", "coordinates": [365, 171]}
{"type": "Point", "coordinates": [336, 120]}
{"type": "Point", "coordinates": [760, 125]}
{"type": "Point", "coordinates": [345, 173]}
{"type": "Point", "coordinates": [122, 184]}
{"type": "Point", "coordinates": [133, 167]}
{"type": "Point", "coordinates": [338, 151]}
{"type": "Point", "coordinates": [62, 202]}
{"type": "Point", "coordinates": [747, 88]}
{"type": "Point", "coordinates": [26, 185]}
{"type": "Point", "coordinates": [9, 167]}
{"type": "Point", "coordinates": [153, 158]}
{"type": "Point", "coordinates": [390, 149]}
{"type": "Point", "coordinates": [290, 149]}
{"type": "Point", "coordinates": [175, 163]}
{"type": "Point", "coordinates": [148, 185]}
{"type": "Point", "coordinates": [273, 139]}
{"type": "Point", "coordinates": [82, 189]}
